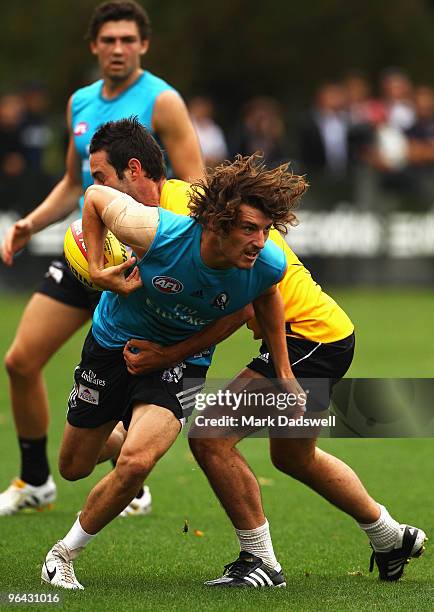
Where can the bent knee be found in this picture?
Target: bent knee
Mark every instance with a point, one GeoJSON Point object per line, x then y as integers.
{"type": "Point", "coordinates": [70, 470]}
{"type": "Point", "coordinates": [132, 468]}
{"type": "Point", "coordinates": [294, 464]}
{"type": "Point", "coordinates": [19, 364]}
{"type": "Point", "coordinates": [201, 447]}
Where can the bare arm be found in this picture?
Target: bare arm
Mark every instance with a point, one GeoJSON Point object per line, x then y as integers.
{"type": "Point", "coordinates": [131, 222]}
{"type": "Point", "coordinates": [152, 356]}
{"type": "Point", "coordinates": [270, 315]}
{"type": "Point", "coordinates": [171, 122]}
{"type": "Point", "coordinates": [57, 205]}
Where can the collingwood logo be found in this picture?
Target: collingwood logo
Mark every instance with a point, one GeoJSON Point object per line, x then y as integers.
{"type": "Point", "coordinates": [221, 301]}
{"type": "Point", "coordinates": [92, 379]}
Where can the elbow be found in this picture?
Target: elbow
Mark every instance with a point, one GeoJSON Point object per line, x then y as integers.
{"type": "Point", "coordinates": [247, 313]}
{"type": "Point", "coordinates": [89, 196]}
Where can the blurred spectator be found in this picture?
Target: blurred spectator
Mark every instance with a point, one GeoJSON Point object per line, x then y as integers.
{"type": "Point", "coordinates": [362, 107]}
{"type": "Point", "coordinates": [405, 158]}
{"type": "Point", "coordinates": [20, 185]}
{"type": "Point", "coordinates": [323, 135]}
{"type": "Point", "coordinates": [420, 146]}
{"type": "Point", "coordinates": [13, 164]}
{"type": "Point", "coordinates": [36, 133]}
{"type": "Point", "coordinates": [397, 97]}
{"type": "Point", "coordinates": [262, 128]}
{"type": "Point", "coordinates": [211, 137]}
{"type": "Point", "coordinates": [421, 134]}
{"type": "Point", "coordinates": [12, 159]}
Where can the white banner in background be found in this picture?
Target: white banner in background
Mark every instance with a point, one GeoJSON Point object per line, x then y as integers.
{"type": "Point", "coordinates": [339, 233]}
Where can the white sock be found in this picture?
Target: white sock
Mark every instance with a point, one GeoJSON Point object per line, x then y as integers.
{"type": "Point", "coordinates": [383, 533]}
{"type": "Point", "coordinates": [77, 538]}
{"type": "Point", "coordinates": [258, 542]}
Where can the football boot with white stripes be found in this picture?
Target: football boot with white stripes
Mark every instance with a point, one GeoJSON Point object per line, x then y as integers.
{"type": "Point", "coordinates": [410, 544]}
{"type": "Point", "coordinates": [248, 571]}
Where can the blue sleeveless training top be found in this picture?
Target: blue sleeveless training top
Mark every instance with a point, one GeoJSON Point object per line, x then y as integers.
{"type": "Point", "coordinates": [180, 294]}
{"type": "Point", "coordinates": [90, 110]}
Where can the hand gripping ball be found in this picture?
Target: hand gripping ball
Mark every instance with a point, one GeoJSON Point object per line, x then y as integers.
{"type": "Point", "coordinates": [74, 248]}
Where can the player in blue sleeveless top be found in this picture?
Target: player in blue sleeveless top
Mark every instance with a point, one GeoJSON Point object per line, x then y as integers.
{"type": "Point", "coordinates": [189, 271]}
{"type": "Point", "coordinates": [119, 37]}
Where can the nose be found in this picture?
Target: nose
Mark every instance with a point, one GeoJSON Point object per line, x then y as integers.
{"type": "Point", "coordinates": [118, 48]}
{"type": "Point", "coordinates": [260, 240]}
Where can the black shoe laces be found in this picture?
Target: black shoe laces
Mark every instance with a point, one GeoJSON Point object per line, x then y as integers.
{"type": "Point", "coordinates": [238, 568]}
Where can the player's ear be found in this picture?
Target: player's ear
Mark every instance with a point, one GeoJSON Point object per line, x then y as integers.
{"type": "Point", "coordinates": [135, 167]}
{"type": "Point", "coordinates": [93, 47]}
{"type": "Point", "coordinates": [144, 47]}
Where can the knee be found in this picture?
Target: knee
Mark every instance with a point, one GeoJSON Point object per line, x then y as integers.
{"type": "Point", "coordinates": [18, 364]}
{"type": "Point", "coordinates": [133, 469]}
{"type": "Point", "coordinates": [71, 468]}
{"type": "Point", "coordinates": [295, 464]}
{"type": "Point", "coordinates": [73, 471]}
{"type": "Point", "coordinates": [204, 447]}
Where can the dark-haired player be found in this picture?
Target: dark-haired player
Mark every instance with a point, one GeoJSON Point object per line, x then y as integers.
{"type": "Point", "coordinates": [220, 249]}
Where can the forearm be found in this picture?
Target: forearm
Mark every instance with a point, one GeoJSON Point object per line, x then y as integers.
{"type": "Point", "coordinates": [270, 316]}
{"type": "Point", "coordinates": [209, 336]}
{"type": "Point", "coordinates": [61, 201]}
{"type": "Point", "coordinates": [94, 233]}
{"type": "Point", "coordinates": [132, 223]}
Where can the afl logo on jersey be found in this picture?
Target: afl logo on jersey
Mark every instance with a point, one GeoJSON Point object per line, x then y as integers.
{"type": "Point", "coordinates": [167, 284]}
{"type": "Point", "coordinates": [81, 128]}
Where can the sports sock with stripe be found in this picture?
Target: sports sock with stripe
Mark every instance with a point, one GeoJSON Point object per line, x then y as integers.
{"type": "Point", "coordinates": [258, 542]}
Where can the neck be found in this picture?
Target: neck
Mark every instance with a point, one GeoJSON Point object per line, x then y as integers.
{"type": "Point", "coordinates": [150, 192]}
{"type": "Point", "coordinates": [211, 251]}
{"type": "Point", "coordinates": [112, 88]}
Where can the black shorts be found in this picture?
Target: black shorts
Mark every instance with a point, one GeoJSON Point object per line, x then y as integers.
{"type": "Point", "coordinates": [314, 361]}
{"type": "Point", "coordinates": [104, 390]}
{"type": "Point", "coordinates": [60, 284]}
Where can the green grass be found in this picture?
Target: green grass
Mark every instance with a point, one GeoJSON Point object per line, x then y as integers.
{"type": "Point", "coordinates": [150, 564]}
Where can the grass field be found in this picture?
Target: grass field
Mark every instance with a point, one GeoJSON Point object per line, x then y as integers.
{"type": "Point", "coordinates": [150, 564]}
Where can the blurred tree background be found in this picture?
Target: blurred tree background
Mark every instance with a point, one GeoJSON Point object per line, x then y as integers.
{"type": "Point", "coordinates": [230, 51]}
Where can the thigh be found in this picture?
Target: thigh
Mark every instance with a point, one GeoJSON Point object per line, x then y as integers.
{"type": "Point", "coordinates": [81, 447]}
{"type": "Point", "coordinates": [152, 431]}
{"type": "Point", "coordinates": [44, 327]}
{"type": "Point", "coordinates": [228, 416]}
{"type": "Point", "coordinates": [174, 389]}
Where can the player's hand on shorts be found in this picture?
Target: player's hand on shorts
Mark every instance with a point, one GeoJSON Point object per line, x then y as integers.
{"type": "Point", "coordinates": [16, 239]}
{"type": "Point", "coordinates": [292, 388]}
{"type": "Point", "coordinates": [142, 356]}
{"type": "Point", "coordinates": [114, 279]}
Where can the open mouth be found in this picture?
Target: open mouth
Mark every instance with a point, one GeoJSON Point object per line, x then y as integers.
{"type": "Point", "coordinates": [251, 255]}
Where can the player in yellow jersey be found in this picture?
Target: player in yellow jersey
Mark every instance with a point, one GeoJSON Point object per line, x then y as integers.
{"type": "Point", "coordinates": [320, 339]}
